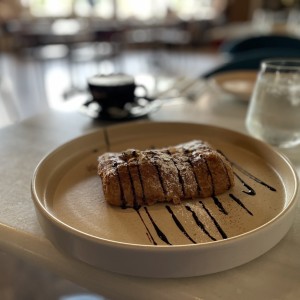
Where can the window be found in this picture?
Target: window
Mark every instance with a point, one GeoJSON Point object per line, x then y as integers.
{"type": "Point", "coordinates": [125, 9]}
{"type": "Point", "coordinates": [49, 8]}
{"type": "Point", "coordinates": [100, 8]}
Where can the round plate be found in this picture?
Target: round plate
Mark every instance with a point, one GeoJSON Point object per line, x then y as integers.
{"type": "Point", "coordinates": [196, 237]}
{"type": "Point", "coordinates": [239, 84]}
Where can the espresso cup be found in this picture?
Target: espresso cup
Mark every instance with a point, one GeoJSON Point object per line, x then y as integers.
{"type": "Point", "coordinates": [115, 90]}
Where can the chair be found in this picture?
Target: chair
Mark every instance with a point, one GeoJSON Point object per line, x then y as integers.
{"type": "Point", "coordinates": [252, 59]}
{"type": "Point", "coordinates": [248, 44]}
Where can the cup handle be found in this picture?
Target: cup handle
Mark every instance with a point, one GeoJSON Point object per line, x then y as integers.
{"type": "Point", "coordinates": [145, 90]}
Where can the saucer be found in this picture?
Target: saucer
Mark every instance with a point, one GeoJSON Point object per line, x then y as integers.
{"type": "Point", "coordinates": [141, 108]}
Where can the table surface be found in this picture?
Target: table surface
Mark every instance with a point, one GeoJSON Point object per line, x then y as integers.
{"type": "Point", "coordinates": [274, 275]}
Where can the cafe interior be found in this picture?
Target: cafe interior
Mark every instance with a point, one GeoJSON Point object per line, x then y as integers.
{"type": "Point", "coordinates": [190, 62]}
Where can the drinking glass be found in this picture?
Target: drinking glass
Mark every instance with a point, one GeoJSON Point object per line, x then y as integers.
{"type": "Point", "coordinates": [274, 109]}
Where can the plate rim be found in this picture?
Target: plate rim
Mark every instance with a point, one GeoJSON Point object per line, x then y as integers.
{"type": "Point", "coordinates": [107, 242]}
{"type": "Point", "coordinates": [50, 223]}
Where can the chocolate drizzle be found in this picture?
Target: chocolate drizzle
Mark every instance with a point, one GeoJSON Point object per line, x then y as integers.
{"type": "Point", "coordinates": [221, 231]}
{"type": "Point", "coordinates": [250, 191]}
{"type": "Point", "coordinates": [160, 234]}
{"type": "Point", "coordinates": [179, 225]}
{"type": "Point", "coordinates": [254, 178]}
{"type": "Point", "coordinates": [211, 177]}
{"type": "Point", "coordinates": [115, 165]}
{"type": "Point", "coordinates": [135, 205]}
{"type": "Point", "coordinates": [239, 202]}
{"type": "Point", "coordinates": [158, 171]}
{"type": "Point", "coordinates": [219, 205]}
{"type": "Point", "coordinates": [187, 152]}
{"type": "Point", "coordinates": [148, 233]}
{"type": "Point", "coordinates": [139, 174]}
{"type": "Point", "coordinates": [180, 179]}
{"type": "Point", "coordinates": [227, 174]}
{"type": "Point", "coordinates": [199, 223]}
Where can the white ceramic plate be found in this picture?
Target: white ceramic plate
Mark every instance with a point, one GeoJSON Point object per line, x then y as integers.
{"type": "Point", "coordinates": [239, 84]}
{"type": "Point", "coordinates": [206, 236]}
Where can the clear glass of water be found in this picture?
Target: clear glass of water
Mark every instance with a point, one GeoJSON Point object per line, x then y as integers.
{"type": "Point", "coordinates": [274, 110]}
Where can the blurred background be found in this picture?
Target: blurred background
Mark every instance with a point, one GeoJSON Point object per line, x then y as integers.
{"type": "Point", "coordinates": [48, 49]}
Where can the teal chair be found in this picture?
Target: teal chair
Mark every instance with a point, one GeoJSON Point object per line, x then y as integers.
{"type": "Point", "coordinates": [251, 60]}
{"type": "Point", "coordinates": [246, 45]}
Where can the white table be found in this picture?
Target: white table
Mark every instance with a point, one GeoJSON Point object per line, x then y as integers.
{"type": "Point", "coordinates": [275, 275]}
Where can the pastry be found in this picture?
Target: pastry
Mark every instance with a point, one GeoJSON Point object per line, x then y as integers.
{"type": "Point", "coordinates": [186, 171]}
